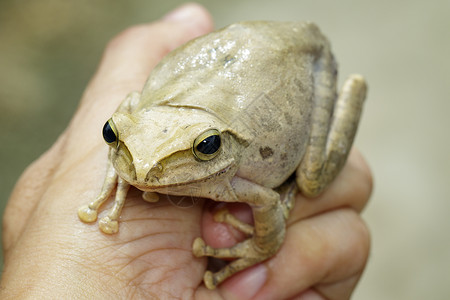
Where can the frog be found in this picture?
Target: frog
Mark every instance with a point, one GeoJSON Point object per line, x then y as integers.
{"type": "Point", "coordinates": [249, 113]}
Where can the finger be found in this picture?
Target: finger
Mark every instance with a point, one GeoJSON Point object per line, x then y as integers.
{"type": "Point", "coordinates": [333, 291]}
{"type": "Point", "coordinates": [323, 252]}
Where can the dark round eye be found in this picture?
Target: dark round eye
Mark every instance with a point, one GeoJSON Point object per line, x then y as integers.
{"type": "Point", "coordinates": [109, 133]}
{"type": "Point", "coordinates": [209, 145]}
{"type": "Point", "coordinates": [206, 145]}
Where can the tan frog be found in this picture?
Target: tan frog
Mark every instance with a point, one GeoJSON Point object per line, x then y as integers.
{"type": "Point", "coordinates": [247, 114]}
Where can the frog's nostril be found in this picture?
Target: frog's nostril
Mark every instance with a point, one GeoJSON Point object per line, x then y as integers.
{"type": "Point", "coordinates": [154, 172]}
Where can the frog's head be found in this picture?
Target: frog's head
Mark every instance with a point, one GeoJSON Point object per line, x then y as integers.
{"type": "Point", "coordinates": [167, 147]}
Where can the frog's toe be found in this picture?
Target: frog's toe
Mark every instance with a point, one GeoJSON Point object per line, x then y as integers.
{"type": "Point", "coordinates": [150, 197]}
{"type": "Point", "coordinates": [109, 226]}
{"type": "Point", "coordinates": [87, 214]}
{"type": "Point", "coordinates": [224, 216]}
{"type": "Point", "coordinates": [209, 280]}
{"type": "Point", "coordinates": [199, 247]}
{"type": "Point", "coordinates": [221, 215]}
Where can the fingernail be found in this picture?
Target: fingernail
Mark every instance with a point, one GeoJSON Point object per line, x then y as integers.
{"type": "Point", "coordinates": [247, 284]}
{"type": "Point", "coordinates": [182, 14]}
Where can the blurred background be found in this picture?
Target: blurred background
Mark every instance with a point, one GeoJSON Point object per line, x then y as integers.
{"type": "Point", "coordinates": [50, 48]}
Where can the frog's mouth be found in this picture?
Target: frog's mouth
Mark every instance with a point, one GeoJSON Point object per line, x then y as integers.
{"type": "Point", "coordinates": [152, 184]}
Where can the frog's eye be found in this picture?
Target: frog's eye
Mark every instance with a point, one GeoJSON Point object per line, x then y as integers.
{"type": "Point", "coordinates": [110, 133]}
{"type": "Point", "coordinates": [206, 145]}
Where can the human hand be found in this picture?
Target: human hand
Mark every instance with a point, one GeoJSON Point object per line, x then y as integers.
{"type": "Point", "coordinates": [49, 253]}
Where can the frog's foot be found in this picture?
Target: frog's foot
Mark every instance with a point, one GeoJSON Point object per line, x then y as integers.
{"type": "Point", "coordinates": [87, 214]}
{"type": "Point", "coordinates": [212, 280]}
{"type": "Point", "coordinates": [224, 216]}
{"type": "Point", "coordinates": [108, 225]}
{"type": "Point", "coordinates": [245, 253]}
{"type": "Point", "coordinates": [268, 232]}
{"type": "Point", "coordinates": [150, 197]}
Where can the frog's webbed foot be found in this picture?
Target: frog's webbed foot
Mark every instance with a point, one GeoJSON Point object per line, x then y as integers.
{"type": "Point", "coordinates": [88, 213]}
{"type": "Point", "coordinates": [150, 197]}
{"type": "Point", "coordinates": [334, 125]}
{"type": "Point", "coordinates": [109, 224]}
{"type": "Point", "coordinates": [248, 253]}
{"type": "Point", "coordinates": [245, 253]}
{"type": "Point", "coordinates": [265, 236]}
{"type": "Point", "coordinates": [240, 251]}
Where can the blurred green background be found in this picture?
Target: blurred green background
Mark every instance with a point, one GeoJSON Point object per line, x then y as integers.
{"type": "Point", "coordinates": [50, 48]}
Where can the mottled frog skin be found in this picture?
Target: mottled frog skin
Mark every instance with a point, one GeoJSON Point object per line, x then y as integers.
{"type": "Point", "coordinates": [248, 113]}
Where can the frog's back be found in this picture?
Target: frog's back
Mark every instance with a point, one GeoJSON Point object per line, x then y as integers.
{"type": "Point", "coordinates": [256, 77]}
{"type": "Point", "coordinates": [231, 67]}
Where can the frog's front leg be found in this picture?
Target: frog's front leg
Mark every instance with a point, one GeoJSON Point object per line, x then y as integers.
{"type": "Point", "coordinates": [88, 213]}
{"type": "Point", "coordinates": [268, 232]}
{"type": "Point", "coordinates": [331, 136]}
{"type": "Point", "coordinates": [109, 224]}
{"type": "Point", "coordinates": [287, 192]}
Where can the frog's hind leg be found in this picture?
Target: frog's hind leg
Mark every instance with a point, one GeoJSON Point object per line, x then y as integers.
{"type": "Point", "coordinates": [330, 143]}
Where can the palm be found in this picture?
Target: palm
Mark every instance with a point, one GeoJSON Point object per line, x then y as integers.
{"type": "Point", "coordinates": [152, 252]}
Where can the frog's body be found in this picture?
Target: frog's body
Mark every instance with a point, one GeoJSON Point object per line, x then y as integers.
{"type": "Point", "coordinates": [262, 97]}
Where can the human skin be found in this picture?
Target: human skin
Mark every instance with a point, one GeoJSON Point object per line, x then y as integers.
{"type": "Point", "coordinates": [49, 253]}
